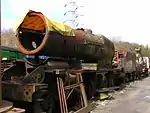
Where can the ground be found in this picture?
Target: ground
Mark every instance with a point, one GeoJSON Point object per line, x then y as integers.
{"type": "Point", "coordinates": [135, 98]}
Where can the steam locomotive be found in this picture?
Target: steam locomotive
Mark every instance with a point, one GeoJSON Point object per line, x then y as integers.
{"type": "Point", "coordinates": [66, 67]}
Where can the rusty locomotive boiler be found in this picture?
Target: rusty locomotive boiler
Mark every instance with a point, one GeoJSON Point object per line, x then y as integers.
{"type": "Point", "coordinates": [36, 34]}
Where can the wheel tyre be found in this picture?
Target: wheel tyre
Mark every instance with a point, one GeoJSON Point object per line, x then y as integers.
{"type": "Point", "coordinates": [44, 101]}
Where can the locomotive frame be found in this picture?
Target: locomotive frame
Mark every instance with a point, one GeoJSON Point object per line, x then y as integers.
{"type": "Point", "coordinates": [32, 88]}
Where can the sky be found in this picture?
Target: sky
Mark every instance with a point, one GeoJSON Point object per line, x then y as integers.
{"type": "Point", "coordinates": [127, 19]}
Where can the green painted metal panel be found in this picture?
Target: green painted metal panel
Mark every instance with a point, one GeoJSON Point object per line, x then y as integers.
{"type": "Point", "coordinates": [8, 54]}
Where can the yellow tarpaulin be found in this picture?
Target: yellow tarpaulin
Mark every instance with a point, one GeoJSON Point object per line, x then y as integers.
{"type": "Point", "coordinates": [37, 21]}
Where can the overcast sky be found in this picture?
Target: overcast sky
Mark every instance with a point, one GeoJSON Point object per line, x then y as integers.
{"type": "Point", "coordinates": [128, 19]}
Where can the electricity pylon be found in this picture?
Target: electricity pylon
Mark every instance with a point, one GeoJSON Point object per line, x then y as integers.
{"type": "Point", "coordinates": [74, 20]}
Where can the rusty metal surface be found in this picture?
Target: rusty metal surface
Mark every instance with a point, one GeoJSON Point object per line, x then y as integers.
{"type": "Point", "coordinates": [24, 92]}
{"type": "Point", "coordinates": [126, 60]}
{"type": "Point", "coordinates": [71, 47]}
{"type": "Point", "coordinates": [83, 46]}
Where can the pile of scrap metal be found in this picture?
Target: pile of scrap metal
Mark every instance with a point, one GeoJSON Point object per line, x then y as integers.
{"type": "Point", "coordinates": [66, 67]}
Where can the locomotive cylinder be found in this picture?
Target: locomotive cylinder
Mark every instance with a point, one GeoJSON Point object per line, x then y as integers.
{"type": "Point", "coordinates": [36, 34]}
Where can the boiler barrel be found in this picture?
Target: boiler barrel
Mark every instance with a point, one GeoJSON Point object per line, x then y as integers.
{"type": "Point", "coordinates": [36, 34]}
